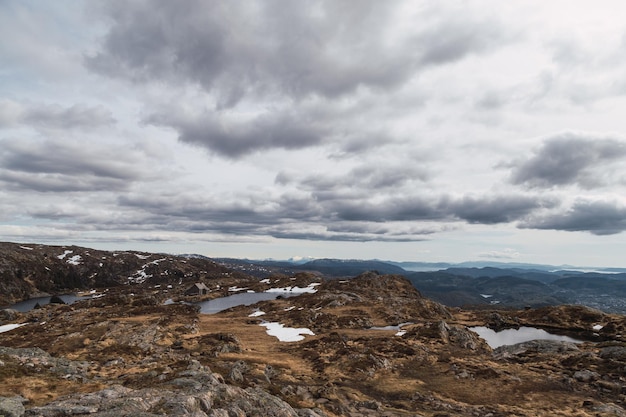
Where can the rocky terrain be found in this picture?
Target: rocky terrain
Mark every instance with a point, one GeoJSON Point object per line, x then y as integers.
{"type": "Point", "coordinates": [132, 355]}
{"type": "Point", "coordinates": [367, 346]}
{"type": "Point", "coordinates": [32, 270]}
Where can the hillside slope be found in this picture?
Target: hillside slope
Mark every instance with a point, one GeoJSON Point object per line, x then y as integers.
{"type": "Point", "coordinates": [29, 270]}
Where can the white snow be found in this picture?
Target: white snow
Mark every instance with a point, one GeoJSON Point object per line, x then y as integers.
{"type": "Point", "coordinates": [7, 327]}
{"type": "Point", "coordinates": [67, 252]}
{"type": "Point", "coordinates": [140, 277]}
{"type": "Point", "coordinates": [290, 308]}
{"type": "Point", "coordinates": [401, 333]}
{"type": "Point", "coordinates": [286, 334]}
{"type": "Point", "coordinates": [265, 281]}
{"type": "Point", "coordinates": [26, 248]}
{"type": "Point", "coordinates": [142, 256]}
{"type": "Point", "coordinates": [257, 313]}
{"type": "Point", "coordinates": [309, 289]}
{"type": "Point", "coordinates": [486, 295]}
{"type": "Point", "coordinates": [598, 327]}
{"type": "Point", "coordinates": [236, 289]}
{"type": "Point", "coordinates": [74, 260]}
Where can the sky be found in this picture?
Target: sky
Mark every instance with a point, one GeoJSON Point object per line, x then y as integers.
{"type": "Point", "coordinates": [397, 130]}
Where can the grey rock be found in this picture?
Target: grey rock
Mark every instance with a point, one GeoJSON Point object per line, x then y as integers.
{"type": "Point", "coordinates": [8, 315]}
{"type": "Point", "coordinates": [306, 412]}
{"type": "Point", "coordinates": [534, 346]}
{"type": "Point", "coordinates": [586, 375]}
{"type": "Point", "coordinates": [190, 398]}
{"type": "Point", "coordinates": [614, 352]}
{"type": "Point", "coordinates": [12, 406]}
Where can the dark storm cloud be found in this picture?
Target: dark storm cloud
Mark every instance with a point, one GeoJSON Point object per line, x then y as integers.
{"type": "Point", "coordinates": [233, 138]}
{"type": "Point", "coordinates": [568, 159]}
{"type": "Point", "coordinates": [55, 165]}
{"type": "Point", "coordinates": [597, 217]}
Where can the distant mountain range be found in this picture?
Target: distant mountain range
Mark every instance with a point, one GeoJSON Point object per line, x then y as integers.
{"type": "Point", "coordinates": [514, 285]}
{"type": "Point", "coordinates": [28, 270]}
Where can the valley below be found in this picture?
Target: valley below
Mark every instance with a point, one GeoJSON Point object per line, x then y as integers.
{"type": "Point", "coordinates": [369, 345]}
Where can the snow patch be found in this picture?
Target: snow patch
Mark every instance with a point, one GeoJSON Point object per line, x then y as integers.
{"type": "Point", "coordinates": [401, 333]}
{"type": "Point", "coordinates": [256, 313]}
{"type": "Point", "coordinates": [74, 260]}
{"type": "Point", "coordinates": [486, 295]}
{"type": "Point", "coordinates": [309, 289]}
{"type": "Point", "coordinates": [236, 289]}
{"type": "Point", "coordinates": [141, 276]}
{"type": "Point", "coordinates": [8, 327]}
{"type": "Point", "coordinates": [26, 248]}
{"type": "Point", "coordinates": [286, 334]}
{"type": "Point", "coordinates": [142, 256]}
{"type": "Point", "coordinates": [598, 327]}
{"type": "Point", "coordinates": [265, 281]}
{"type": "Point", "coordinates": [67, 252]}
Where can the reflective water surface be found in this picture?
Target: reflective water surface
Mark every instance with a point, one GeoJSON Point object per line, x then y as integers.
{"type": "Point", "coordinates": [27, 305]}
{"type": "Point", "coordinates": [513, 336]}
{"type": "Point", "coordinates": [247, 298]}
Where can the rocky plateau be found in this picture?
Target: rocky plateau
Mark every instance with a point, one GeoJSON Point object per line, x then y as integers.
{"type": "Point", "coordinates": [371, 345]}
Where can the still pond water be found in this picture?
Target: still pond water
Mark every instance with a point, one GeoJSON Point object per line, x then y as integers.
{"type": "Point", "coordinates": [514, 336]}
{"type": "Point", "coordinates": [27, 305]}
{"type": "Point", "coordinates": [241, 299]}
{"type": "Point", "coordinates": [206, 307]}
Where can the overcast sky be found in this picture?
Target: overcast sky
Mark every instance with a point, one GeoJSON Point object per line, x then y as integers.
{"type": "Point", "coordinates": [401, 130]}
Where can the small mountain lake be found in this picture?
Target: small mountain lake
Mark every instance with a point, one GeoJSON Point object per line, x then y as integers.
{"type": "Point", "coordinates": [27, 305]}
{"type": "Point", "coordinates": [513, 336]}
{"type": "Point", "coordinates": [240, 299]}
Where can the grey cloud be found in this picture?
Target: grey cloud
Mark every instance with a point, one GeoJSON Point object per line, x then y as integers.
{"type": "Point", "coordinates": [597, 217]}
{"type": "Point", "coordinates": [235, 138]}
{"type": "Point", "coordinates": [55, 165]}
{"type": "Point", "coordinates": [59, 182]}
{"type": "Point", "coordinates": [76, 116]}
{"type": "Point", "coordinates": [54, 116]}
{"type": "Point", "coordinates": [258, 54]}
{"type": "Point", "coordinates": [494, 209]}
{"type": "Point", "coordinates": [369, 177]}
{"type": "Point", "coordinates": [568, 159]}
{"type": "Point", "coordinates": [240, 48]}
{"type": "Point", "coordinates": [452, 35]}
{"type": "Point", "coordinates": [329, 48]}
{"type": "Point", "coordinates": [303, 215]}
